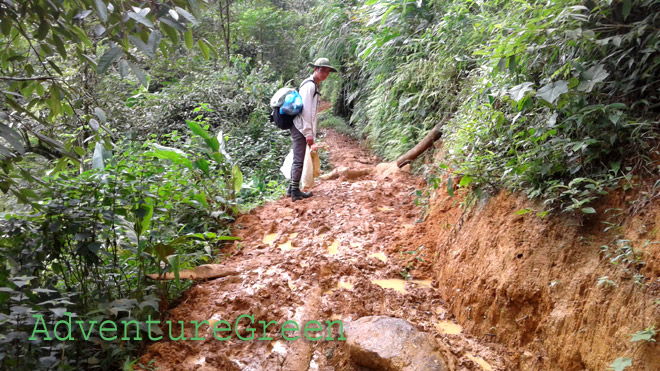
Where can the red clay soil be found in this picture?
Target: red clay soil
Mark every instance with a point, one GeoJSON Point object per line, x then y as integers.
{"type": "Point", "coordinates": [321, 259]}
{"type": "Point", "coordinates": [532, 283]}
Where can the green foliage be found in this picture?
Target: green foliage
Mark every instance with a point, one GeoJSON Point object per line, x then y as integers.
{"type": "Point", "coordinates": [620, 364]}
{"type": "Point", "coordinates": [330, 121]}
{"type": "Point", "coordinates": [52, 54]}
{"type": "Point", "coordinates": [646, 335]}
{"type": "Point", "coordinates": [149, 209]}
{"type": "Point", "coordinates": [606, 282]}
{"type": "Point", "coordinates": [555, 100]}
{"type": "Point", "coordinates": [268, 35]}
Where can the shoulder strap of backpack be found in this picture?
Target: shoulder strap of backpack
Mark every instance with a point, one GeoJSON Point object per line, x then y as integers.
{"type": "Point", "coordinates": [316, 88]}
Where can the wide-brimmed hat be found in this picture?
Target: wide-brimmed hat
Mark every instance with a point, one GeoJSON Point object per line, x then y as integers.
{"type": "Point", "coordinates": [323, 62]}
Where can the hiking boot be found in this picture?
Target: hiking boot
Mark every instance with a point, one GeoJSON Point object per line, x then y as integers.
{"type": "Point", "coordinates": [296, 193]}
{"type": "Point", "coordinates": [288, 191]}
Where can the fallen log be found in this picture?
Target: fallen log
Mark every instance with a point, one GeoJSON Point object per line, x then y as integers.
{"type": "Point", "coordinates": [202, 272]}
{"type": "Point", "coordinates": [422, 146]}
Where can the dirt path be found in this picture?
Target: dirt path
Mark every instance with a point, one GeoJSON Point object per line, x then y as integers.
{"type": "Point", "coordinates": [338, 255]}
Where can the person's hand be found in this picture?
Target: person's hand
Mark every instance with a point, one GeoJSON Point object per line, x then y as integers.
{"type": "Point", "coordinates": [310, 141]}
{"type": "Point", "coordinates": [314, 147]}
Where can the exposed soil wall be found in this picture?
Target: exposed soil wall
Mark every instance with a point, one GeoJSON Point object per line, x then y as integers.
{"type": "Point", "coordinates": [531, 283]}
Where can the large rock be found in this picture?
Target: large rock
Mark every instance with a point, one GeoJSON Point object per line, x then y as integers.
{"type": "Point", "coordinates": [392, 344]}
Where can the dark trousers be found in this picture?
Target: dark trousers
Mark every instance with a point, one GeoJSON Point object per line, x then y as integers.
{"type": "Point", "coordinates": [299, 147]}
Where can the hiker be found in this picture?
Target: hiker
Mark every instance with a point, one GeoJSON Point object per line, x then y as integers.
{"type": "Point", "coordinates": [303, 130]}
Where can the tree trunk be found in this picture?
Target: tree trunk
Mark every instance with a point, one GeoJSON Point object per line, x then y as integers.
{"type": "Point", "coordinates": [225, 24]}
{"type": "Point", "coordinates": [422, 146]}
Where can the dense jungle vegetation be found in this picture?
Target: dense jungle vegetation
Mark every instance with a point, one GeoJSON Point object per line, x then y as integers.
{"type": "Point", "coordinates": [133, 132]}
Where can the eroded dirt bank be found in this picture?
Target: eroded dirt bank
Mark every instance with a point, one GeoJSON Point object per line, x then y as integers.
{"type": "Point", "coordinates": [531, 283]}
{"type": "Point", "coordinates": [342, 255]}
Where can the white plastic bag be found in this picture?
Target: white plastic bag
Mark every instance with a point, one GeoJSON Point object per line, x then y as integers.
{"type": "Point", "coordinates": [307, 178]}
{"type": "Point", "coordinates": [286, 166]}
{"type": "Point", "coordinates": [311, 167]}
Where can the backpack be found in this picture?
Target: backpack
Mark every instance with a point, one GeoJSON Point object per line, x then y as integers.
{"type": "Point", "coordinates": [281, 120]}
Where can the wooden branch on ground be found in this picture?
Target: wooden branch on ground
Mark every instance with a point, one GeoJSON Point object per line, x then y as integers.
{"type": "Point", "coordinates": [422, 146]}
{"type": "Point", "coordinates": [38, 78]}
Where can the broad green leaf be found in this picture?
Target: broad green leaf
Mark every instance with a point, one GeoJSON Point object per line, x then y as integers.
{"type": "Point", "coordinates": [170, 32]}
{"type": "Point", "coordinates": [99, 30]}
{"type": "Point", "coordinates": [627, 6]}
{"type": "Point", "coordinates": [217, 156]}
{"type": "Point", "coordinates": [644, 335]}
{"type": "Point", "coordinates": [551, 92]}
{"type": "Point", "coordinates": [588, 210]}
{"type": "Point", "coordinates": [205, 49]}
{"type": "Point", "coordinates": [186, 15]}
{"type": "Point", "coordinates": [144, 48]}
{"type": "Point", "coordinates": [203, 165]}
{"type": "Point", "coordinates": [79, 150]}
{"type": "Point", "coordinates": [140, 19]}
{"type": "Point", "coordinates": [163, 251]}
{"type": "Point", "coordinates": [59, 45]}
{"type": "Point", "coordinates": [173, 154]}
{"type": "Point", "coordinates": [29, 193]}
{"type": "Point", "coordinates": [154, 40]}
{"type": "Point", "coordinates": [518, 92]}
{"type": "Point", "coordinates": [107, 59]}
{"type": "Point", "coordinates": [100, 114]}
{"type": "Point", "coordinates": [197, 129]}
{"type": "Point", "coordinates": [592, 76]}
{"type": "Point", "coordinates": [194, 8]}
{"type": "Point", "coordinates": [620, 364]}
{"type": "Point", "coordinates": [201, 198]}
{"type": "Point", "coordinates": [102, 10]}
{"type": "Point", "coordinates": [523, 211]}
{"type": "Point", "coordinates": [465, 181]}
{"type": "Point", "coordinates": [140, 74]}
{"type": "Point", "coordinates": [6, 26]}
{"type": "Point", "coordinates": [123, 68]}
{"type": "Point", "coordinates": [12, 137]}
{"type": "Point", "coordinates": [172, 23]}
{"type": "Point", "coordinates": [238, 178]}
{"type": "Point", "coordinates": [188, 37]}
{"type": "Point", "coordinates": [94, 124]}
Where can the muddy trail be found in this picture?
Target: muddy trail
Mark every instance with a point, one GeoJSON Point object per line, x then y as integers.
{"type": "Point", "coordinates": [339, 255]}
